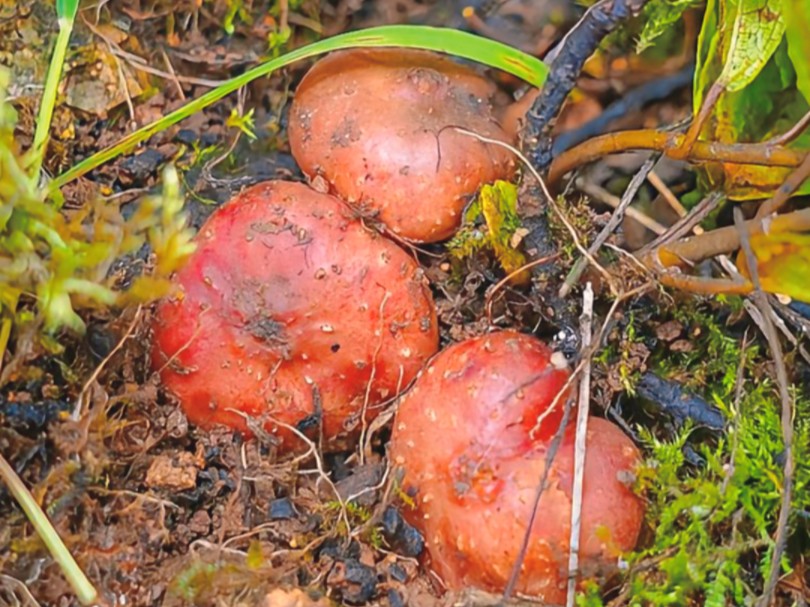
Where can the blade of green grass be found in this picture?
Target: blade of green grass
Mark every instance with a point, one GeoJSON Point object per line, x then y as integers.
{"type": "Point", "coordinates": [85, 591]}
{"type": "Point", "coordinates": [444, 40]}
{"type": "Point", "coordinates": [66, 13]}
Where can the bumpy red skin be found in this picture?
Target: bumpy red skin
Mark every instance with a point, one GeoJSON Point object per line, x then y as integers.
{"type": "Point", "coordinates": [287, 301]}
{"type": "Point", "coordinates": [462, 436]}
{"type": "Point", "coordinates": [376, 124]}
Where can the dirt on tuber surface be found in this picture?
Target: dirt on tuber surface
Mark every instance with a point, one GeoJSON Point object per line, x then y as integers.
{"type": "Point", "coordinates": [291, 311]}
{"type": "Point", "coordinates": [378, 126]}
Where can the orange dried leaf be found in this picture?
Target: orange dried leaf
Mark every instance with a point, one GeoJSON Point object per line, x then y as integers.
{"type": "Point", "coordinates": [783, 263]}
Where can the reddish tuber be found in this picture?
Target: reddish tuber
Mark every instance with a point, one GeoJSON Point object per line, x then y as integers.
{"type": "Point", "coordinates": [467, 437]}
{"type": "Point", "coordinates": [378, 126]}
{"type": "Point", "coordinates": [290, 310]}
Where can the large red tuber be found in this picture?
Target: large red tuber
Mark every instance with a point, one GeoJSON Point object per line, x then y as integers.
{"type": "Point", "coordinates": [379, 126]}
{"type": "Point", "coordinates": [291, 310]}
{"type": "Point", "coordinates": [473, 454]}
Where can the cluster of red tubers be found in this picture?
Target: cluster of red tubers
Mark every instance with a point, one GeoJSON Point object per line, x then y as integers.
{"type": "Point", "coordinates": [294, 318]}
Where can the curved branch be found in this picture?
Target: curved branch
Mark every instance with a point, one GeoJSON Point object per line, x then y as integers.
{"type": "Point", "coordinates": [667, 143]}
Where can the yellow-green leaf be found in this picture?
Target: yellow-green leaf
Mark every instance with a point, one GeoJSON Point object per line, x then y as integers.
{"type": "Point", "coordinates": [752, 30]}
{"type": "Point", "coordinates": [783, 263]}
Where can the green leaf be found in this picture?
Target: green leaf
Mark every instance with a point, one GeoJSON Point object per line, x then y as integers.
{"type": "Point", "coordinates": [752, 31]}
{"type": "Point", "coordinates": [797, 18]}
{"type": "Point", "coordinates": [443, 40]}
{"type": "Point", "coordinates": [743, 47]}
{"type": "Point", "coordinates": [659, 16]}
{"type": "Point", "coordinates": [67, 9]}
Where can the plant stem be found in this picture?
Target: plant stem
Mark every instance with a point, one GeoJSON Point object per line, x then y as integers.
{"type": "Point", "coordinates": [84, 590]}
{"type": "Point", "coordinates": [722, 241]}
{"type": "Point", "coordinates": [48, 101]}
{"type": "Point", "coordinates": [667, 143]}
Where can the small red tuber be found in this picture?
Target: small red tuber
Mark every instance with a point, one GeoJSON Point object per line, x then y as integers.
{"type": "Point", "coordinates": [378, 126]}
{"type": "Point", "coordinates": [473, 453]}
{"type": "Point", "coordinates": [290, 310]}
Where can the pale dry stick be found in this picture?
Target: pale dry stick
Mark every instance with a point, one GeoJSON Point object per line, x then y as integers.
{"type": "Point", "coordinates": [550, 200]}
{"type": "Point", "coordinates": [138, 63]}
{"type": "Point", "coordinates": [367, 396]}
{"type": "Point", "coordinates": [755, 313]}
{"type": "Point", "coordinates": [610, 227]}
{"type": "Point", "coordinates": [580, 444]}
{"type": "Point", "coordinates": [670, 198]}
{"type": "Point", "coordinates": [122, 78]}
{"type": "Point", "coordinates": [18, 586]}
{"type": "Point", "coordinates": [557, 438]}
{"type": "Point", "coordinates": [173, 74]}
{"type": "Point", "coordinates": [79, 406]}
{"type": "Point", "coordinates": [602, 195]}
{"type": "Point", "coordinates": [686, 224]}
{"type": "Point", "coordinates": [137, 497]}
{"type": "Point", "coordinates": [761, 300]}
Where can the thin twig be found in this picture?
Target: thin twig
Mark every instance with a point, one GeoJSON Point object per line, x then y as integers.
{"type": "Point", "coordinates": [689, 223]}
{"type": "Point", "coordinates": [794, 181]}
{"type": "Point", "coordinates": [553, 447]}
{"type": "Point", "coordinates": [794, 131]}
{"type": "Point", "coordinates": [602, 195]}
{"type": "Point", "coordinates": [761, 300]}
{"type": "Point", "coordinates": [739, 384]}
{"type": "Point", "coordinates": [18, 587]}
{"type": "Point", "coordinates": [580, 444]}
{"type": "Point", "coordinates": [724, 240]}
{"type": "Point", "coordinates": [667, 194]}
{"type": "Point", "coordinates": [613, 223]}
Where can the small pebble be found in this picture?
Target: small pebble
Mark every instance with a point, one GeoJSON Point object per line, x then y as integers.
{"type": "Point", "coordinates": [401, 536]}
{"type": "Point", "coordinates": [281, 509]}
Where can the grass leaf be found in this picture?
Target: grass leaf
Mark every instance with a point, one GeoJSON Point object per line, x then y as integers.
{"type": "Point", "coordinates": [444, 40]}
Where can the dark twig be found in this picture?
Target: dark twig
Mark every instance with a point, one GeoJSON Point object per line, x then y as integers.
{"type": "Point", "coordinates": [677, 402]}
{"type": "Point", "coordinates": [568, 58]}
{"type": "Point", "coordinates": [761, 300]}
